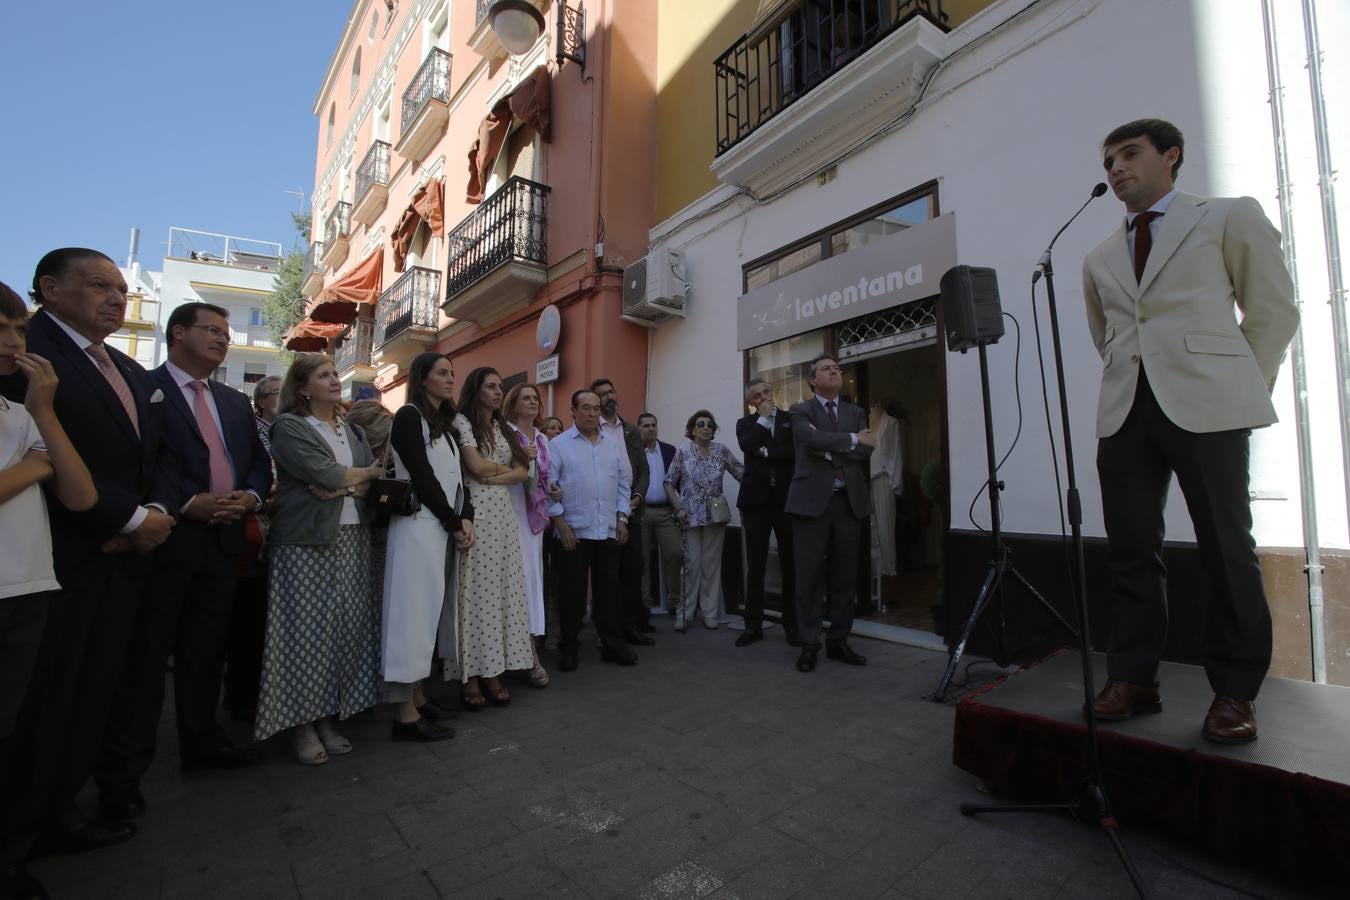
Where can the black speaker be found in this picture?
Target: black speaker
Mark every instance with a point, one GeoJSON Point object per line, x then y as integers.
{"type": "Point", "coordinates": [970, 307]}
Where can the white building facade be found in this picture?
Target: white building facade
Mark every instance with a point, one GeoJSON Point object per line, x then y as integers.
{"type": "Point", "coordinates": [973, 146]}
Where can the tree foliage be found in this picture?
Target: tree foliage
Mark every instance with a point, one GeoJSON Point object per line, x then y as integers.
{"type": "Point", "coordinates": [286, 304]}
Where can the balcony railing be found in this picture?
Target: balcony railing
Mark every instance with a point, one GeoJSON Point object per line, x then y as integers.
{"type": "Point", "coordinates": [251, 336]}
{"type": "Point", "coordinates": [432, 82]}
{"type": "Point", "coordinates": [412, 301]}
{"type": "Point", "coordinates": [374, 169]}
{"type": "Point", "coordinates": [509, 226]}
{"type": "Point", "coordinates": [483, 6]}
{"type": "Point", "coordinates": [314, 263]}
{"type": "Point", "coordinates": [354, 345]}
{"type": "Point", "coordinates": [338, 224]}
{"type": "Point", "coordinates": [765, 72]}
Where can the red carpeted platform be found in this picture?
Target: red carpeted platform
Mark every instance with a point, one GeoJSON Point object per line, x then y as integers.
{"type": "Point", "coordinates": [1281, 804]}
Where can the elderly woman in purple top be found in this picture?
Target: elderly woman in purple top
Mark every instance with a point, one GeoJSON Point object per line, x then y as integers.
{"type": "Point", "coordinates": [520, 409]}
{"type": "Point", "coordinates": [693, 482]}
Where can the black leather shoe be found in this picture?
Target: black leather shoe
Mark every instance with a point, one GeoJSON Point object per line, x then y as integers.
{"type": "Point", "coordinates": [421, 730]}
{"type": "Point", "coordinates": [224, 758]}
{"type": "Point", "coordinates": [433, 712]}
{"type": "Point", "coordinates": [619, 655]}
{"type": "Point", "coordinates": [807, 661]}
{"type": "Point", "coordinates": [639, 639]}
{"type": "Point", "coordinates": [16, 883]}
{"type": "Point", "coordinates": [841, 651]}
{"type": "Point", "coordinates": [567, 661]}
{"type": "Point", "coordinates": [121, 803]}
{"type": "Point", "coordinates": [82, 836]}
{"type": "Point", "coordinates": [749, 636]}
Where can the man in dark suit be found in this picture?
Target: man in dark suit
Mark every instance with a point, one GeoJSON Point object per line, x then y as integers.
{"type": "Point", "coordinates": [112, 413]}
{"type": "Point", "coordinates": [829, 500]}
{"type": "Point", "coordinates": [636, 625]}
{"type": "Point", "coordinates": [224, 473]}
{"type": "Point", "coordinates": [658, 520]}
{"type": "Point", "coordinates": [765, 436]}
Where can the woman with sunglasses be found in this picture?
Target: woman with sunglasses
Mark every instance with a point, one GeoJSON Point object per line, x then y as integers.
{"type": "Point", "coordinates": [694, 486]}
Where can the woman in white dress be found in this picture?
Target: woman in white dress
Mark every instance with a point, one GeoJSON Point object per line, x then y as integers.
{"type": "Point", "coordinates": [530, 499]}
{"type": "Point", "coordinates": [423, 548]}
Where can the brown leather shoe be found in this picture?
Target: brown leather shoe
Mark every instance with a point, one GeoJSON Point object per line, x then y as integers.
{"type": "Point", "coordinates": [1230, 721]}
{"type": "Point", "coordinates": [1119, 700]}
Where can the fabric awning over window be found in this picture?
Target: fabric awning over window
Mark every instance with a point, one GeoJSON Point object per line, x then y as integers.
{"type": "Point", "coordinates": [531, 103]}
{"type": "Point", "coordinates": [308, 336]}
{"type": "Point", "coordinates": [769, 16]}
{"type": "Point", "coordinates": [337, 302]}
{"type": "Point", "coordinates": [428, 205]}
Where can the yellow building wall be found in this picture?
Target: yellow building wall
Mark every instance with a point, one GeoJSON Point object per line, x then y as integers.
{"type": "Point", "coordinates": [691, 34]}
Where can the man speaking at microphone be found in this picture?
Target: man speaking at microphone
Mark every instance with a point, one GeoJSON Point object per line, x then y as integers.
{"type": "Point", "coordinates": [1183, 383]}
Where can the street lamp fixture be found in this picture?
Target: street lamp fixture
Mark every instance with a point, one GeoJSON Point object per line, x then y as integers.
{"type": "Point", "coordinates": [518, 25]}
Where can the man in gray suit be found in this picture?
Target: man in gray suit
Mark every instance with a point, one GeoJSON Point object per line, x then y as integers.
{"type": "Point", "coordinates": [1183, 384]}
{"type": "Point", "coordinates": [828, 500]}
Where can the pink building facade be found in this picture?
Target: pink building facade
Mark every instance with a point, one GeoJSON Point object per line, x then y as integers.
{"type": "Point", "coordinates": [461, 191]}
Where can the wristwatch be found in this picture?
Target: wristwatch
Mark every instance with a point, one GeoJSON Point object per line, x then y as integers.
{"type": "Point", "coordinates": [623, 518]}
{"type": "Point", "coordinates": [351, 490]}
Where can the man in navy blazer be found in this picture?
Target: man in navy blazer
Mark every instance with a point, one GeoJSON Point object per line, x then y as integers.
{"type": "Point", "coordinates": [765, 436]}
{"type": "Point", "coordinates": [224, 473]}
{"type": "Point", "coordinates": [112, 413]}
{"type": "Point", "coordinates": [658, 521]}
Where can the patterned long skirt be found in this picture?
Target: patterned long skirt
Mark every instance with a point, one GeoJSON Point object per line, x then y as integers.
{"type": "Point", "coordinates": [322, 652]}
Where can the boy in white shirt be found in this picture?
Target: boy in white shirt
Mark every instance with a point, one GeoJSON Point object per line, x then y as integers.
{"type": "Point", "coordinates": [33, 449]}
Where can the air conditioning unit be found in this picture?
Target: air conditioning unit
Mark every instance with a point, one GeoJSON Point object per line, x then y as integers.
{"type": "Point", "coordinates": [655, 288]}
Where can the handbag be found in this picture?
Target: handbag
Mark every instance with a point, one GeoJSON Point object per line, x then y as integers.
{"type": "Point", "coordinates": [392, 496]}
{"type": "Point", "coordinates": [719, 511]}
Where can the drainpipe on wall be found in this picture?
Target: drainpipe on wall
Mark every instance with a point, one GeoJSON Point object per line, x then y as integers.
{"type": "Point", "coordinates": [1307, 491]}
{"type": "Point", "coordinates": [1331, 234]}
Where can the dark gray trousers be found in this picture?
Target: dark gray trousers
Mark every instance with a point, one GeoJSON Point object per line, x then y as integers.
{"type": "Point", "coordinates": [826, 548]}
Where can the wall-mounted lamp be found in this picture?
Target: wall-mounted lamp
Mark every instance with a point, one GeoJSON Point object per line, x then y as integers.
{"type": "Point", "coordinates": [518, 24]}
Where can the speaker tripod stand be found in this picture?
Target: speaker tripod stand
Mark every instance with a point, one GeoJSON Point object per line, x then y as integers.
{"type": "Point", "coordinates": [999, 566]}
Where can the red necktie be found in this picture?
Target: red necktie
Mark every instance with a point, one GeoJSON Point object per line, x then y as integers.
{"type": "Point", "coordinates": [222, 473]}
{"type": "Point", "coordinates": [99, 354]}
{"type": "Point", "coordinates": [834, 416]}
{"type": "Point", "coordinates": [1143, 241]}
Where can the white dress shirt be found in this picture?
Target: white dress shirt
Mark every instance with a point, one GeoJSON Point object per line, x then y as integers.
{"type": "Point", "coordinates": [656, 486]}
{"type": "Point", "coordinates": [1159, 207]}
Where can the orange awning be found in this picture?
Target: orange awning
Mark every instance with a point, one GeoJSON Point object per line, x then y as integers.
{"type": "Point", "coordinates": [337, 302]}
{"type": "Point", "coordinates": [308, 336]}
{"type": "Point", "coordinates": [428, 205]}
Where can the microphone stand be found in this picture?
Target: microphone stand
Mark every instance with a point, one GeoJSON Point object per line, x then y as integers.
{"type": "Point", "coordinates": [1092, 805]}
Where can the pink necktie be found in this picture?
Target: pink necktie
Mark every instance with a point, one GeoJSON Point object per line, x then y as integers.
{"type": "Point", "coordinates": [100, 356]}
{"type": "Point", "coordinates": [222, 473]}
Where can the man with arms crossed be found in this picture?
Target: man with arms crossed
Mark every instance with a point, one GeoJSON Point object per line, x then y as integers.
{"type": "Point", "coordinates": [1183, 384]}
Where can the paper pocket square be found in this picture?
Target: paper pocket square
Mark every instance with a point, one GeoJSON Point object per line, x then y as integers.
{"type": "Point", "coordinates": [157, 396]}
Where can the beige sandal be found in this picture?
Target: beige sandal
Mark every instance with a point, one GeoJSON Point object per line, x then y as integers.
{"type": "Point", "coordinates": [539, 675]}
{"type": "Point", "coordinates": [308, 749]}
{"type": "Point", "coordinates": [334, 743]}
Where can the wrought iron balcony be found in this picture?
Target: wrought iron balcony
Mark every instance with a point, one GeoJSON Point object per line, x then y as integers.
{"type": "Point", "coordinates": [498, 256]}
{"type": "Point", "coordinates": [425, 107]}
{"type": "Point", "coordinates": [778, 63]}
{"type": "Point", "coordinates": [336, 229]}
{"type": "Point", "coordinates": [354, 346]}
{"type": "Point", "coordinates": [483, 7]}
{"type": "Point", "coordinates": [372, 184]}
{"type": "Point", "coordinates": [312, 282]}
{"type": "Point", "coordinates": [407, 317]}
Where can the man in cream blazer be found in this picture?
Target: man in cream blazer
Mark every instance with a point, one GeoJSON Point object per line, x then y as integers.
{"type": "Point", "coordinates": [1183, 383]}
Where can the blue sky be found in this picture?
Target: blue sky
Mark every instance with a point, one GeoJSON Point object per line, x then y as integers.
{"type": "Point", "coordinates": [156, 113]}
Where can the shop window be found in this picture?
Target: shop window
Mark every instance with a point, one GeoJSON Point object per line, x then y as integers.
{"type": "Point", "coordinates": [892, 216]}
{"type": "Point", "coordinates": [785, 364]}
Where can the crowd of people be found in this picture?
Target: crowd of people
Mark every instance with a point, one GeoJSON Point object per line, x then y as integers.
{"type": "Point", "coordinates": [312, 559]}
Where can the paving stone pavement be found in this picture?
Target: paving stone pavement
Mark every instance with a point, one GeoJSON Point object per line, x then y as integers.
{"type": "Point", "coordinates": [705, 771]}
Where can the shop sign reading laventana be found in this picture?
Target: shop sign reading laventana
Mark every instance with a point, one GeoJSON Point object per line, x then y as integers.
{"type": "Point", "coordinates": [887, 272]}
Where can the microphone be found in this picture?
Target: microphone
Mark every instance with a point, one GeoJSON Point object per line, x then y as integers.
{"type": "Point", "coordinates": [1044, 264]}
